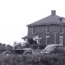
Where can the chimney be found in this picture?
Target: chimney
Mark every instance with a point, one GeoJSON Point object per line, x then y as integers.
{"type": "Point", "coordinates": [53, 12]}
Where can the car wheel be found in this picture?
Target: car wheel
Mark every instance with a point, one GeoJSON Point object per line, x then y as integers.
{"type": "Point", "coordinates": [28, 53]}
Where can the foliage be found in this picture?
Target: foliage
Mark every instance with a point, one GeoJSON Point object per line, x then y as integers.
{"type": "Point", "coordinates": [52, 59]}
{"type": "Point", "coordinates": [4, 47]}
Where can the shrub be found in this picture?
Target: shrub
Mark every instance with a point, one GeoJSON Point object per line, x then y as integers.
{"type": "Point", "coordinates": [52, 59]}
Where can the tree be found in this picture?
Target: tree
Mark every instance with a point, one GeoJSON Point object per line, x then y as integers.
{"type": "Point", "coordinates": [9, 47]}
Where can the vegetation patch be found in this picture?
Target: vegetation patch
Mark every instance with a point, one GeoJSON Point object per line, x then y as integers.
{"type": "Point", "coordinates": [50, 59]}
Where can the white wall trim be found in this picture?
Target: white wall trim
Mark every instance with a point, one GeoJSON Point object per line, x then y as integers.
{"type": "Point", "coordinates": [61, 40]}
{"type": "Point", "coordinates": [46, 39]}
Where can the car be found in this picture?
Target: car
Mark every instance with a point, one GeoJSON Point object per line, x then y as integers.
{"type": "Point", "coordinates": [28, 51]}
{"type": "Point", "coordinates": [7, 53]}
{"type": "Point", "coordinates": [19, 51]}
{"type": "Point", "coordinates": [23, 51]}
{"type": "Point", "coordinates": [52, 48]}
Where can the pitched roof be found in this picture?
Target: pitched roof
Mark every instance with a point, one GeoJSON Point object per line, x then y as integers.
{"type": "Point", "coordinates": [51, 19]}
{"type": "Point", "coordinates": [29, 36]}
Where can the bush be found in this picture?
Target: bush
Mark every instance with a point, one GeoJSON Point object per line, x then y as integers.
{"type": "Point", "coordinates": [53, 59]}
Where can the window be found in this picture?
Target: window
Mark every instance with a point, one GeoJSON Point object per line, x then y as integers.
{"type": "Point", "coordinates": [47, 40]}
{"type": "Point", "coordinates": [61, 30]}
{"type": "Point", "coordinates": [47, 29]}
{"type": "Point", "coordinates": [61, 40]}
{"type": "Point", "coordinates": [33, 30]}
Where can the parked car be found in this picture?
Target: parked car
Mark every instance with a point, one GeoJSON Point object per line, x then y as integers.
{"type": "Point", "coordinates": [28, 51]}
{"type": "Point", "coordinates": [23, 51]}
{"type": "Point", "coordinates": [52, 48]}
{"type": "Point", "coordinates": [19, 51]}
{"type": "Point", "coordinates": [7, 53]}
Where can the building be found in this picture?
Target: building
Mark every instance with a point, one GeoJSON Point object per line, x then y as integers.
{"type": "Point", "coordinates": [49, 30]}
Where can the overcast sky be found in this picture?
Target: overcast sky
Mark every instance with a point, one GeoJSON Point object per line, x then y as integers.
{"type": "Point", "coordinates": [16, 14]}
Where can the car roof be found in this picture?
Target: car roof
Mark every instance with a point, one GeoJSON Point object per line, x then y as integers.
{"type": "Point", "coordinates": [51, 45]}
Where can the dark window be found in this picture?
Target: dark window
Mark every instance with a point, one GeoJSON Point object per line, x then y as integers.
{"type": "Point", "coordinates": [61, 29]}
{"type": "Point", "coordinates": [33, 30]}
{"type": "Point", "coordinates": [47, 29]}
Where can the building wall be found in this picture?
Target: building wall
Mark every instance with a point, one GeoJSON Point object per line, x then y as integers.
{"type": "Point", "coordinates": [51, 38]}
{"type": "Point", "coordinates": [43, 38]}
{"type": "Point", "coordinates": [43, 29]}
{"type": "Point", "coordinates": [52, 28]}
{"type": "Point", "coordinates": [64, 39]}
{"type": "Point", "coordinates": [64, 28]}
{"type": "Point", "coordinates": [29, 30]}
{"type": "Point", "coordinates": [37, 29]}
{"type": "Point", "coordinates": [40, 29]}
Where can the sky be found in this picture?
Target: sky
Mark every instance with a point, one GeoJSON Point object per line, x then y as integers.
{"type": "Point", "coordinates": [15, 15]}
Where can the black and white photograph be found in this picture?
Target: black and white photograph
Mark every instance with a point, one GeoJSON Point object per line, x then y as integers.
{"type": "Point", "coordinates": [32, 32]}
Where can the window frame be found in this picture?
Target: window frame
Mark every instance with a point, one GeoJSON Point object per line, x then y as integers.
{"type": "Point", "coordinates": [61, 31]}
{"type": "Point", "coordinates": [46, 39]}
{"type": "Point", "coordinates": [47, 29]}
{"type": "Point", "coordinates": [61, 40]}
{"type": "Point", "coordinates": [33, 31]}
